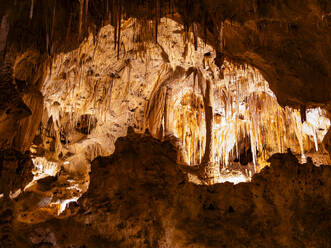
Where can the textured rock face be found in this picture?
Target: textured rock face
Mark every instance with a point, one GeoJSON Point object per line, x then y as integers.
{"type": "Point", "coordinates": [15, 171]}
{"type": "Point", "coordinates": [182, 69]}
{"type": "Point", "coordinates": [15, 174]}
{"type": "Point", "coordinates": [91, 95]}
{"type": "Point", "coordinates": [327, 141]}
{"type": "Point", "coordinates": [138, 197]}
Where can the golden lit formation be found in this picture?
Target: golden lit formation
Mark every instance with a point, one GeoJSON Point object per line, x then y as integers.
{"type": "Point", "coordinates": [165, 123]}
{"type": "Point", "coordinates": [249, 125]}
{"type": "Point", "coordinates": [91, 96]}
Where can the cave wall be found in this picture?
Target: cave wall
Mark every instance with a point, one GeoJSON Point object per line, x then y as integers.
{"type": "Point", "coordinates": [91, 95]}
{"type": "Point", "coordinates": [287, 41]}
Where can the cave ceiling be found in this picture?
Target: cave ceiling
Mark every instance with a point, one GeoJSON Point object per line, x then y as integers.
{"type": "Point", "coordinates": [288, 41]}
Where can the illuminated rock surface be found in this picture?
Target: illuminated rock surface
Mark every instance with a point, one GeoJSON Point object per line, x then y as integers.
{"type": "Point", "coordinates": [75, 75]}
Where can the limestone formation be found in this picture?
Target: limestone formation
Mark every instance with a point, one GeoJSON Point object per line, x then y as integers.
{"type": "Point", "coordinates": [165, 123]}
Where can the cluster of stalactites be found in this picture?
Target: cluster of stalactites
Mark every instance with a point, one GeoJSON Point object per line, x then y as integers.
{"type": "Point", "coordinates": [117, 10]}
{"type": "Point", "coordinates": [149, 13]}
{"type": "Point", "coordinates": [247, 119]}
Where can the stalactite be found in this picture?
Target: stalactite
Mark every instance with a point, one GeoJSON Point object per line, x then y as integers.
{"type": "Point", "coordinates": [221, 38]}
{"type": "Point", "coordinates": [114, 22]}
{"type": "Point", "coordinates": [68, 27]}
{"type": "Point", "coordinates": [86, 9]}
{"type": "Point", "coordinates": [119, 29]}
{"type": "Point", "coordinates": [315, 140]}
{"type": "Point", "coordinates": [303, 113]}
{"type": "Point", "coordinates": [53, 28]}
{"type": "Point", "coordinates": [195, 36]}
{"type": "Point", "coordinates": [80, 21]}
{"type": "Point", "coordinates": [165, 112]}
{"type": "Point", "coordinates": [31, 9]}
{"type": "Point", "coordinates": [47, 43]}
{"type": "Point", "coordinates": [157, 7]}
{"type": "Point", "coordinates": [298, 131]}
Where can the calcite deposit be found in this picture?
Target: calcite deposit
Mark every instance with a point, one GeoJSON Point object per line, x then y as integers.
{"type": "Point", "coordinates": [163, 90]}
{"type": "Point", "coordinates": [168, 123]}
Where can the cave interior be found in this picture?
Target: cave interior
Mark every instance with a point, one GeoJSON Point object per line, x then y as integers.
{"type": "Point", "coordinates": [165, 123]}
